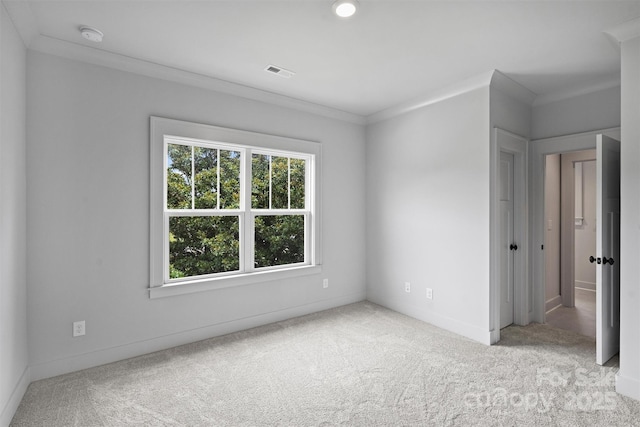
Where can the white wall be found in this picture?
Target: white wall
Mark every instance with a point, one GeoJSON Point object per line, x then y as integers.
{"type": "Point", "coordinates": [14, 374]}
{"type": "Point", "coordinates": [88, 216]}
{"type": "Point", "coordinates": [428, 213]}
{"type": "Point", "coordinates": [508, 112]}
{"type": "Point", "coordinates": [628, 378]}
{"type": "Point", "coordinates": [583, 113]}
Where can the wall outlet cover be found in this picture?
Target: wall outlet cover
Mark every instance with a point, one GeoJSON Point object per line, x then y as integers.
{"type": "Point", "coordinates": [79, 328]}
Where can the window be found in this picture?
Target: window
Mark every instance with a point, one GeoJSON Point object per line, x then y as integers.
{"type": "Point", "coordinates": [230, 207]}
{"type": "Point", "coordinates": [202, 226]}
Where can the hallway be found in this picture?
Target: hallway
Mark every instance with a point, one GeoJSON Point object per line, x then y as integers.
{"type": "Point", "coordinates": [580, 319]}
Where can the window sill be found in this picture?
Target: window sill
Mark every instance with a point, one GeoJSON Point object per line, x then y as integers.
{"type": "Point", "coordinates": [209, 284]}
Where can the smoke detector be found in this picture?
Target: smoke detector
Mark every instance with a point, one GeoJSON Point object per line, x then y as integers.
{"type": "Point", "coordinates": [279, 71]}
{"type": "Point", "coordinates": [91, 34]}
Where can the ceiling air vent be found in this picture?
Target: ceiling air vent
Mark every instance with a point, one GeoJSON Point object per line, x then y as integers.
{"type": "Point", "coordinates": [279, 71]}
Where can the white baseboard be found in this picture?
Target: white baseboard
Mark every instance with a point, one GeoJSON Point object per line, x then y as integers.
{"type": "Point", "coordinates": [494, 336]}
{"type": "Point", "coordinates": [626, 386]}
{"type": "Point", "coordinates": [11, 406]}
{"type": "Point", "coordinates": [552, 303]}
{"type": "Point", "coordinates": [465, 329]}
{"type": "Point", "coordinates": [114, 354]}
{"type": "Point", "coordinates": [585, 285]}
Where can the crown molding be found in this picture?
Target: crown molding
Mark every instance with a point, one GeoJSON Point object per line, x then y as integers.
{"type": "Point", "coordinates": [510, 87]}
{"type": "Point", "coordinates": [24, 20]}
{"type": "Point", "coordinates": [82, 53]}
{"type": "Point", "coordinates": [482, 80]}
{"type": "Point", "coordinates": [22, 17]}
{"type": "Point", "coordinates": [550, 98]}
{"type": "Point", "coordinates": [626, 31]}
{"type": "Point", "coordinates": [494, 79]}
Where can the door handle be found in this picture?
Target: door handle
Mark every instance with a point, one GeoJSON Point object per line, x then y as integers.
{"type": "Point", "coordinates": [606, 260]}
{"type": "Point", "coordinates": [596, 260]}
{"type": "Point", "coordinates": [513, 247]}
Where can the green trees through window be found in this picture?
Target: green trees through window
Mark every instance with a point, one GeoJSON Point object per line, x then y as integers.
{"type": "Point", "coordinates": [207, 219]}
{"type": "Point", "coordinates": [278, 183]}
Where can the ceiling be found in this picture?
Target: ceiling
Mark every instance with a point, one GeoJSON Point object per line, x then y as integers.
{"type": "Point", "coordinates": [392, 51]}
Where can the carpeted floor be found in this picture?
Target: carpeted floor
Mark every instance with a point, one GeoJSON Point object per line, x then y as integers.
{"type": "Point", "coordinates": [359, 365]}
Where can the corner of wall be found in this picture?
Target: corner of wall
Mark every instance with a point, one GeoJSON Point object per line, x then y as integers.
{"type": "Point", "coordinates": [15, 398]}
{"type": "Point", "coordinates": [510, 87]}
{"type": "Point", "coordinates": [510, 105]}
{"type": "Point", "coordinates": [14, 370]}
{"type": "Point", "coordinates": [436, 96]}
{"type": "Point", "coordinates": [626, 386]}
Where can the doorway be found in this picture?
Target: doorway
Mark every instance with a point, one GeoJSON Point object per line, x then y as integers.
{"type": "Point", "coordinates": [509, 237]}
{"type": "Point", "coordinates": [606, 258]}
{"type": "Point", "coordinates": [508, 245]}
{"type": "Point", "coordinates": [570, 239]}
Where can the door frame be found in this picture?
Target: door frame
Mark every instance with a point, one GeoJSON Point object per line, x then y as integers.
{"type": "Point", "coordinates": [505, 141]}
{"type": "Point", "coordinates": [538, 149]}
{"type": "Point", "coordinates": [567, 224]}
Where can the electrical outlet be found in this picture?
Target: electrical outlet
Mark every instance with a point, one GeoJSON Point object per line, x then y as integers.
{"type": "Point", "coordinates": [407, 287]}
{"type": "Point", "coordinates": [429, 293]}
{"type": "Point", "coordinates": [325, 283]}
{"type": "Point", "coordinates": [78, 328]}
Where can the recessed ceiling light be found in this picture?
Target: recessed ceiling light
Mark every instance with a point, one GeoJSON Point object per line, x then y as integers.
{"type": "Point", "coordinates": [345, 8]}
{"type": "Point", "coordinates": [91, 34]}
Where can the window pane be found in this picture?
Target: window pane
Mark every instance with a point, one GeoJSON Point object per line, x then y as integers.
{"type": "Point", "coordinates": [279, 240]}
{"type": "Point", "coordinates": [279, 183]}
{"type": "Point", "coordinates": [297, 183]}
{"type": "Point", "coordinates": [178, 176]}
{"type": "Point", "coordinates": [203, 245]}
{"type": "Point", "coordinates": [229, 179]}
{"type": "Point", "coordinates": [206, 177]}
{"type": "Point", "coordinates": [260, 181]}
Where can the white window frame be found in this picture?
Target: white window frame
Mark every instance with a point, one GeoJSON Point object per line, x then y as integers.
{"type": "Point", "coordinates": [163, 131]}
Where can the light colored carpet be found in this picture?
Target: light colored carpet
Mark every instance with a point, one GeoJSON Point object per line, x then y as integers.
{"type": "Point", "coordinates": [359, 365]}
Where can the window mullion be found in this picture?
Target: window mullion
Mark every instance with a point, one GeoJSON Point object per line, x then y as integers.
{"type": "Point", "coordinates": [246, 220]}
{"type": "Point", "coordinates": [270, 179]}
{"type": "Point", "coordinates": [218, 178]}
{"type": "Point", "coordinates": [193, 177]}
{"type": "Point", "coordinates": [288, 182]}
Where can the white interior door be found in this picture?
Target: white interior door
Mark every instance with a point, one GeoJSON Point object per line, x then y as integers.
{"type": "Point", "coordinates": [507, 244]}
{"type": "Point", "coordinates": [607, 249]}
